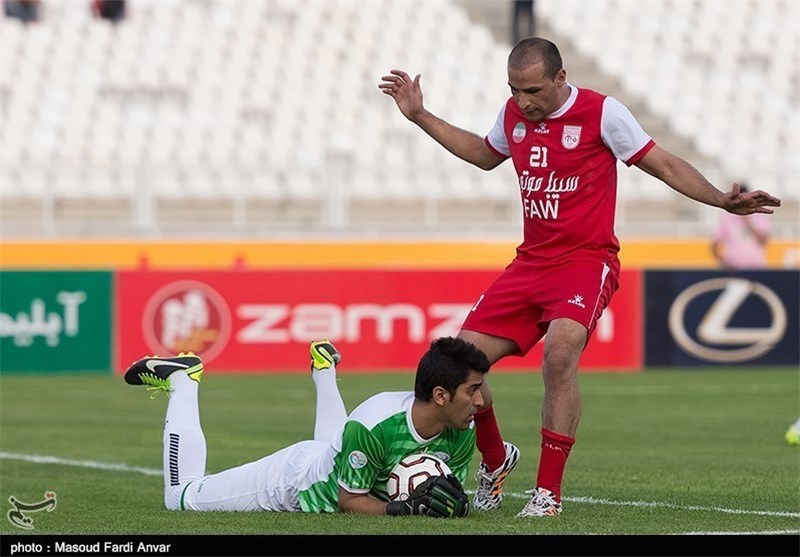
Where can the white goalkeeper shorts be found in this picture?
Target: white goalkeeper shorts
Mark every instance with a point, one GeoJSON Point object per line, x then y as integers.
{"type": "Point", "coordinates": [269, 484]}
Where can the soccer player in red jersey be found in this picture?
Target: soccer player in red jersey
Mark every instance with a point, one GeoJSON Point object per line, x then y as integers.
{"type": "Point", "coordinates": [564, 142]}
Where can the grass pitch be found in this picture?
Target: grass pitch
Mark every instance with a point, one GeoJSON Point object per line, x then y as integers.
{"type": "Point", "coordinates": [659, 452]}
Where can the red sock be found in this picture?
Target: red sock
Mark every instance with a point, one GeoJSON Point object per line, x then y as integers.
{"type": "Point", "coordinates": [555, 450]}
{"type": "Point", "coordinates": [488, 439]}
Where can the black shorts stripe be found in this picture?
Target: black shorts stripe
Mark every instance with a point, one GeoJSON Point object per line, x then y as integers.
{"type": "Point", "coordinates": [174, 440]}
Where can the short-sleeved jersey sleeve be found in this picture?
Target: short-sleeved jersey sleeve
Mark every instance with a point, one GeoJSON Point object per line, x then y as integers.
{"type": "Point", "coordinates": [362, 455]}
{"type": "Point", "coordinates": [622, 133]}
{"type": "Point", "coordinates": [496, 139]}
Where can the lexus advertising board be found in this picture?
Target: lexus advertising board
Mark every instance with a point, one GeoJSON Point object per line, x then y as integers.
{"type": "Point", "coordinates": [717, 318]}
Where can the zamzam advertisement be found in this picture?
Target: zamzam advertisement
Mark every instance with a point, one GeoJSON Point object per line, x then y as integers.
{"type": "Point", "coordinates": [262, 321]}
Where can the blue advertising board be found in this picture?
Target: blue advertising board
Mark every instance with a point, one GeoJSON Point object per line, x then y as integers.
{"type": "Point", "coordinates": [704, 318]}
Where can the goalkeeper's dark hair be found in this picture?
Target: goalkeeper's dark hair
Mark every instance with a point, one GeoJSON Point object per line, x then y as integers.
{"type": "Point", "coordinates": [447, 363]}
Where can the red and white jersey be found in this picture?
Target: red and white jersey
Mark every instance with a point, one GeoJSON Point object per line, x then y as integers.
{"type": "Point", "coordinates": [567, 170]}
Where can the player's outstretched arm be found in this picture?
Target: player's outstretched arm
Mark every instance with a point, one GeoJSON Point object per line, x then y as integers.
{"type": "Point", "coordinates": [686, 179]}
{"type": "Point", "coordinates": [407, 93]}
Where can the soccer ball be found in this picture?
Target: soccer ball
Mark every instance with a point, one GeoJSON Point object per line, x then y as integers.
{"type": "Point", "coordinates": [412, 471]}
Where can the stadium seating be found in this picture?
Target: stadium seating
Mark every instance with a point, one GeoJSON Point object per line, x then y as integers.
{"type": "Point", "coordinates": [261, 116]}
{"type": "Point", "coordinates": [720, 73]}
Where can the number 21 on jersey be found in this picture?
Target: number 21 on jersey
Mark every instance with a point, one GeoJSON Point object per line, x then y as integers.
{"type": "Point", "coordinates": [538, 157]}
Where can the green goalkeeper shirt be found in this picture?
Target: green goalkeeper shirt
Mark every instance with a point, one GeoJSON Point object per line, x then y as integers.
{"type": "Point", "coordinates": [376, 436]}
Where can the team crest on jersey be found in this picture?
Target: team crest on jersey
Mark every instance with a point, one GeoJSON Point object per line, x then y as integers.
{"type": "Point", "coordinates": [357, 460]}
{"type": "Point", "coordinates": [571, 137]}
{"type": "Point", "coordinates": [519, 132]}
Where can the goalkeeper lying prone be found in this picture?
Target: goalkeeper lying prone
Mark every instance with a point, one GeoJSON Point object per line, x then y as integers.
{"type": "Point", "coordinates": [346, 466]}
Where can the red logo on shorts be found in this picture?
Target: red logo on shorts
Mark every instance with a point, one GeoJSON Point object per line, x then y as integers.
{"type": "Point", "coordinates": [187, 316]}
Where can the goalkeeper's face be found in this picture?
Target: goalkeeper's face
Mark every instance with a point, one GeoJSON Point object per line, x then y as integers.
{"type": "Point", "coordinates": [467, 399]}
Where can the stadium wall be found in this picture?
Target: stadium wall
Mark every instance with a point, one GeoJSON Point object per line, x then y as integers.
{"type": "Point", "coordinates": [252, 308]}
{"type": "Point", "coordinates": [343, 254]}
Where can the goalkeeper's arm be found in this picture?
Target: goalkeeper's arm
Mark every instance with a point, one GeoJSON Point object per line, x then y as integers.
{"type": "Point", "coordinates": [359, 503]}
{"type": "Point", "coordinates": [439, 496]}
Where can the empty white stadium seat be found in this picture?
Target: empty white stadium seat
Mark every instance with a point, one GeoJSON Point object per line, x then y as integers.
{"type": "Point", "coordinates": [278, 100]}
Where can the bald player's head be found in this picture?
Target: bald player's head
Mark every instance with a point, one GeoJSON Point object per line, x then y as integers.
{"type": "Point", "coordinates": [529, 52]}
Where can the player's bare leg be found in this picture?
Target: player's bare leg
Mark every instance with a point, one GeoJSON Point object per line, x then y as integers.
{"type": "Point", "coordinates": [563, 346]}
{"type": "Point", "coordinates": [561, 412]}
{"type": "Point", "coordinates": [498, 457]}
{"type": "Point", "coordinates": [495, 349]}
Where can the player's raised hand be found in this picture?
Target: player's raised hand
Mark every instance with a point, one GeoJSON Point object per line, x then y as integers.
{"type": "Point", "coordinates": [748, 202]}
{"type": "Point", "coordinates": [406, 92]}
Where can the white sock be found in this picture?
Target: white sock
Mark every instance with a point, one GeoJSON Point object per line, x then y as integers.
{"type": "Point", "coordinates": [184, 442]}
{"type": "Point", "coordinates": [331, 414]}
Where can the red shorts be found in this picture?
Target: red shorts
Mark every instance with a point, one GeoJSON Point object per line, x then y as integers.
{"type": "Point", "coordinates": [522, 302]}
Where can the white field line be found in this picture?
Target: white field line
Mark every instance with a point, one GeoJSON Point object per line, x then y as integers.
{"type": "Point", "coordinates": [671, 390]}
{"type": "Point", "coordinates": [81, 463]}
{"type": "Point", "coordinates": [764, 533]}
{"type": "Point", "coordinates": [595, 501]}
{"type": "Point", "coordinates": [655, 504]}
{"type": "Point", "coordinates": [588, 500]}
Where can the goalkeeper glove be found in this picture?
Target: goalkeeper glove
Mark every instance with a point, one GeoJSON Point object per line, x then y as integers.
{"type": "Point", "coordinates": [439, 496]}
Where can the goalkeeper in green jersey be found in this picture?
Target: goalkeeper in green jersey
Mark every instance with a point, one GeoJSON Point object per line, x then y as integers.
{"type": "Point", "coordinates": [346, 466]}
